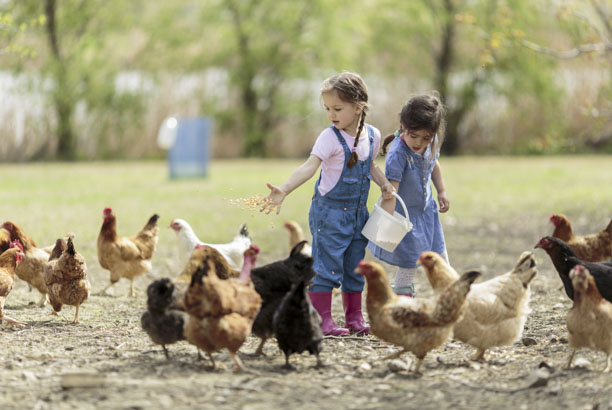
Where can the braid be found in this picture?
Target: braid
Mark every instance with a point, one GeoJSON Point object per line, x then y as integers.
{"type": "Point", "coordinates": [387, 141]}
{"type": "Point", "coordinates": [354, 158]}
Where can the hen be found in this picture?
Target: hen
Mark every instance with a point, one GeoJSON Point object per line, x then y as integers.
{"type": "Point", "coordinates": [221, 312]}
{"type": "Point", "coordinates": [496, 310]}
{"type": "Point", "coordinates": [589, 321]}
{"type": "Point", "coordinates": [564, 260]}
{"type": "Point", "coordinates": [596, 247]}
{"type": "Point", "coordinates": [165, 318]}
{"type": "Point", "coordinates": [31, 268]}
{"type": "Point", "coordinates": [296, 235]}
{"type": "Point", "coordinates": [297, 325]}
{"type": "Point", "coordinates": [232, 251]}
{"type": "Point", "coordinates": [66, 277]}
{"type": "Point", "coordinates": [202, 253]}
{"type": "Point", "coordinates": [416, 325]}
{"type": "Point", "coordinates": [5, 240]}
{"type": "Point", "coordinates": [272, 282]}
{"type": "Point", "coordinates": [9, 260]}
{"type": "Point", "coordinates": [126, 257]}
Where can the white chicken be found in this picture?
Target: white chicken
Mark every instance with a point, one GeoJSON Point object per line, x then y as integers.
{"type": "Point", "coordinates": [233, 251]}
{"type": "Point", "coordinates": [496, 309]}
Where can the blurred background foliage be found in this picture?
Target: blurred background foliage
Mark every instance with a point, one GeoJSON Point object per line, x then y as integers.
{"type": "Point", "coordinates": [95, 78]}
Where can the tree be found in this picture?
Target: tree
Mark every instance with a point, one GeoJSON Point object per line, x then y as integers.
{"type": "Point", "coordinates": [77, 52]}
{"type": "Point", "coordinates": [465, 49]}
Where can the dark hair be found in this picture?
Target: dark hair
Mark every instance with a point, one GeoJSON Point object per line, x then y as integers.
{"type": "Point", "coordinates": [422, 112]}
{"type": "Point", "coordinates": [352, 89]}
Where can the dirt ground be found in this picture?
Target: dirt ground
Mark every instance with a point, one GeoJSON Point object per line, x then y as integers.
{"type": "Point", "coordinates": [107, 361]}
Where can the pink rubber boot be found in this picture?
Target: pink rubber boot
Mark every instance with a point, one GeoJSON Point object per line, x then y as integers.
{"type": "Point", "coordinates": [352, 312]}
{"type": "Point", "coordinates": [322, 303]}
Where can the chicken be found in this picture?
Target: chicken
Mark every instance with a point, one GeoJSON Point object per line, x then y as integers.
{"type": "Point", "coordinates": [202, 253]}
{"type": "Point", "coordinates": [165, 318]}
{"type": "Point", "coordinates": [564, 260]}
{"type": "Point", "coordinates": [297, 325]}
{"type": "Point", "coordinates": [416, 325]}
{"type": "Point", "coordinates": [272, 282]}
{"type": "Point", "coordinates": [9, 260]}
{"type": "Point", "coordinates": [232, 251]}
{"type": "Point", "coordinates": [66, 277]}
{"type": "Point", "coordinates": [596, 247]}
{"type": "Point", "coordinates": [221, 312]}
{"type": "Point", "coordinates": [126, 257]}
{"type": "Point", "coordinates": [496, 310]}
{"type": "Point", "coordinates": [31, 268]}
{"type": "Point", "coordinates": [296, 235]}
{"type": "Point", "coordinates": [589, 321]}
{"type": "Point", "coordinates": [5, 240]}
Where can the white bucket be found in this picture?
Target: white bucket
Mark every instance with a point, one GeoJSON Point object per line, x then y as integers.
{"type": "Point", "coordinates": [387, 230]}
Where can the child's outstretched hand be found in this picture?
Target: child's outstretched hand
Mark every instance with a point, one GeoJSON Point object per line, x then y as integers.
{"type": "Point", "coordinates": [274, 200]}
{"type": "Point", "coordinates": [443, 201]}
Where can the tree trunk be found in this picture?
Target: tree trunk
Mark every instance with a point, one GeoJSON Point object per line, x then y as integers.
{"type": "Point", "coordinates": [443, 67]}
{"type": "Point", "coordinates": [66, 141]}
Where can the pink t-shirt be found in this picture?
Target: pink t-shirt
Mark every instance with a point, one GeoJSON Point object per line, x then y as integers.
{"type": "Point", "coordinates": [329, 150]}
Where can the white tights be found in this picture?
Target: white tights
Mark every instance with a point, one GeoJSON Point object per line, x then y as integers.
{"type": "Point", "coordinates": [405, 276]}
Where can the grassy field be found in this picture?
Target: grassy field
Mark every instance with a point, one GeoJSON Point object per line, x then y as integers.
{"type": "Point", "coordinates": [499, 208]}
{"type": "Point", "coordinates": [49, 200]}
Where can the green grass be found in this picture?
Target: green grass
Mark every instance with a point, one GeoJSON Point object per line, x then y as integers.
{"type": "Point", "coordinates": [49, 200]}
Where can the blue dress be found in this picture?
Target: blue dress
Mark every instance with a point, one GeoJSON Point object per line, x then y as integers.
{"type": "Point", "coordinates": [336, 220]}
{"type": "Point", "coordinates": [413, 171]}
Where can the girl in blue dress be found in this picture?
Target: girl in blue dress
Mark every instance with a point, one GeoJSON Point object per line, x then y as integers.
{"type": "Point", "coordinates": [411, 165]}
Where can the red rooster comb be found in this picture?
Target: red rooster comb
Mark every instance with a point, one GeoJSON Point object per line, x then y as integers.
{"type": "Point", "coordinates": [255, 249]}
{"type": "Point", "coordinates": [107, 211]}
{"type": "Point", "coordinates": [16, 244]}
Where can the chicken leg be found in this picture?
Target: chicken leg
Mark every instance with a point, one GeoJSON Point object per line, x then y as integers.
{"type": "Point", "coordinates": [11, 321]}
{"type": "Point", "coordinates": [479, 356]}
{"type": "Point", "coordinates": [395, 355]}
{"type": "Point", "coordinates": [132, 292]}
{"type": "Point", "coordinates": [259, 351]}
{"type": "Point", "coordinates": [42, 301]}
{"type": "Point", "coordinates": [239, 365]}
{"type": "Point", "coordinates": [76, 315]}
{"type": "Point", "coordinates": [571, 358]}
{"type": "Point", "coordinates": [418, 366]}
{"type": "Point", "coordinates": [609, 366]}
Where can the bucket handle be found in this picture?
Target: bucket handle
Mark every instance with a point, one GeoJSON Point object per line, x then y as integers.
{"type": "Point", "coordinates": [401, 201]}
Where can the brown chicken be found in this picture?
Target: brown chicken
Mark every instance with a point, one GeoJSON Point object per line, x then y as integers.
{"type": "Point", "coordinates": [296, 235]}
{"type": "Point", "coordinates": [221, 312]}
{"type": "Point", "coordinates": [496, 309]}
{"type": "Point", "coordinates": [589, 321]}
{"type": "Point", "coordinates": [202, 253]}
{"type": "Point", "coordinates": [596, 247]}
{"type": "Point", "coordinates": [126, 257]}
{"type": "Point", "coordinates": [66, 277]}
{"type": "Point", "coordinates": [5, 240]}
{"type": "Point", "coordinates": [31, 269]}
{"type": "Point", "coordinates": [416, 325]}
{"type": "Point", "coordinates": [9, 260]}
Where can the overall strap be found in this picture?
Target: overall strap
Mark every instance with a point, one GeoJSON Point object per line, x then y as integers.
{"type": "Point", "coordinates": [347, 150]}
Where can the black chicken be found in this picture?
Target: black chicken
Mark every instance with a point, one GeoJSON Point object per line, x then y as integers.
{"type": "Point", "coordinates": [164, 319]}
{"type": "Point", "coordinates": [564, 260]}
{"type": "Point", "coordinates": [297, 324]}
{"type": "Point", "coordinates": [272, 282]}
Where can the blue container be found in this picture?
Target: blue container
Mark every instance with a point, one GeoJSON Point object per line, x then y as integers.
{"type": "Point", "coordinates": [189, 155]}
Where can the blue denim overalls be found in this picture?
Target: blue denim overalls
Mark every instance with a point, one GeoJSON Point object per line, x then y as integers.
{"type": "Point", "coordinates": [336, 220]}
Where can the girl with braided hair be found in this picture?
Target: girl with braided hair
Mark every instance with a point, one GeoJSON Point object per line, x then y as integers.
{"type": "Point", "coordinates": [345, 151]}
